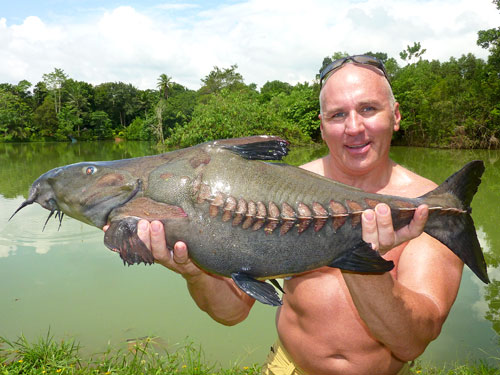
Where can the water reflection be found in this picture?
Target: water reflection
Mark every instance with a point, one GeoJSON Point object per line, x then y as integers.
{"type": "Point", "coordinates": [69, 281]}
{"type": "Point", "coordinates": [28, 232]}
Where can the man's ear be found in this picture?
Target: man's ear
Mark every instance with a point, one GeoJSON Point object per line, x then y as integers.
{"type": "Point", "coordinates": [321, 126]}
{"type": "Point", "coordinates": [397, 117]}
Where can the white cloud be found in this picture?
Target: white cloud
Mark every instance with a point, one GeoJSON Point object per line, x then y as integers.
{"type": "Point", "coordinates": [285, 40]}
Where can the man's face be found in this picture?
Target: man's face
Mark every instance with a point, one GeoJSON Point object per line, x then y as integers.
{"type": "Point", "coordinates": [358, 119]}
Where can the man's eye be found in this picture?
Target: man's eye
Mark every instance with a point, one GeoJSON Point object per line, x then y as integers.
{"type": "Point", "coordinates": [338, 115]}
{"type": "Point", "coordinates": [368, 109]}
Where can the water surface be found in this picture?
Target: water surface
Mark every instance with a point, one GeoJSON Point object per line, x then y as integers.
{"type": "Point", "coordinates": [68, 282]}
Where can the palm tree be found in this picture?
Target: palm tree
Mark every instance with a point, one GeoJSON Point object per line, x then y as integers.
{"type": "Point", "coordinates": [164, 84]}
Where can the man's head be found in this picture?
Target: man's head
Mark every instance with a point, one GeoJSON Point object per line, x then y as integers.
{"type": "Point", "coordinates": [358, 115]}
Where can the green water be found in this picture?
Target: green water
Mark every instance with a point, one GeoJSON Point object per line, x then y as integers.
{"type": "Point", "coordinates": [68, 282]}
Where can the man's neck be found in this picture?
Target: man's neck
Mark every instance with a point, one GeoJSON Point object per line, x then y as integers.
{"type": "Point", "coordinates": [371, 181]}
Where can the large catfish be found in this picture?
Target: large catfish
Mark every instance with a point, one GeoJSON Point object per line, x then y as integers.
{"type": "Point", "coordinates": [248, 219]}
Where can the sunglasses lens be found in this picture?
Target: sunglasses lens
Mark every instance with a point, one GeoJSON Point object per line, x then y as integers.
{"type": "Point", "coordinates": [331, 67]}
{"type": "Point", "coordinates": [360, 59]}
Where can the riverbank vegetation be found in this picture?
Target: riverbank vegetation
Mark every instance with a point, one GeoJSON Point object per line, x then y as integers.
{"type": "Point", "coordinates": [455, 103]}
{"type": "Point", "coordinates": [145, 356]}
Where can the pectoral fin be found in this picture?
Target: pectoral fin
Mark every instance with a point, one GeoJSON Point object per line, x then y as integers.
{"type": "Point", "coordinates": [260, 290]}
{"type": "Point", "coordinates": [363, 258]}
{"type": "Point", "coordinates": [122, 238]}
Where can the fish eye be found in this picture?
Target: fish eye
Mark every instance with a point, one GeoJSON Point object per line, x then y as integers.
{"type": "Point", "coordinates": [90, 170]}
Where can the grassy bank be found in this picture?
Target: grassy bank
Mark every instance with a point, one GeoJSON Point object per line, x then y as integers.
{"type": "Point", "coordinates": [145, 356]}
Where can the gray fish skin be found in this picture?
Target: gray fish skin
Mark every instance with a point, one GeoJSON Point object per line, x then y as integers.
{"type": "Point", "coordinates": [246, 218]}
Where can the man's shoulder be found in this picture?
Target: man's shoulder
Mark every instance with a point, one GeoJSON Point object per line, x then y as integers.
{"type": "Point", "coordinates": [316, 166]}
{"type": "Point", "coordinates": [404, 182]}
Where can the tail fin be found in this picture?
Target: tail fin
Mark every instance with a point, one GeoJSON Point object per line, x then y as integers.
{"type": "Point", "coordinates": [457, 231]}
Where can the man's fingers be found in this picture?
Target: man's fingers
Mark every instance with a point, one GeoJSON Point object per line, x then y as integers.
{"type": "Point", "coordinates": [385, 229]}
{"type": "Point", "coordinates": [143, 232]}
{"type": "Point", "coordinates": [180, 253]}
{"type": "Point", "coordinates": [417, 224]}
{"type": "Point", "coordinates": [369, 224]}
{"type": "Point", "coordinates": [158, 244]}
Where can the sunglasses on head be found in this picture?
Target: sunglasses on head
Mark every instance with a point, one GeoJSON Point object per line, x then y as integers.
{"type": "Point", "coordinates": [358, 59]}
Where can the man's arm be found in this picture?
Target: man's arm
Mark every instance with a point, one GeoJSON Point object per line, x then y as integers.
{"type": "Point", "coordinates": [218, 296]}
{"type": "Point", "coordinates": [405, 310]}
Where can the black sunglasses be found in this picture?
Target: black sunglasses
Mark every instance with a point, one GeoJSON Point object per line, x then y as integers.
{"type": "Point", "coordinates": [358, 59]}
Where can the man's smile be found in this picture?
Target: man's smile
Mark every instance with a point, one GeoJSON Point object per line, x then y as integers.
{"type": "Point", "coordinates": [358, 147]}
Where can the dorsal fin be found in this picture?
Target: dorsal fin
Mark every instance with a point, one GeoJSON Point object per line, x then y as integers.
{"type": "Point", "coordinates": [258, 147]}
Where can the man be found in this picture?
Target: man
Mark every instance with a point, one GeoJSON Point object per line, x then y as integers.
{"type": "Point", "coordinates": [336, 322]}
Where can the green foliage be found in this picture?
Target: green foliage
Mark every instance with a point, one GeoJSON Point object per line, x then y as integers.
{"type": "Point", "coordinates": [15, 117]}
{"type": "Point", "coordinates": [45, 118]}
{"type": "Point", "coordinates": [219, 79]}
{"type": "Point", "coordinates": [148, 356]}
{"type": "Point", "coordinates": [233, 113]}
{"type": "Point", "coordinates": [273, 88]}
{"type": "Point", "coordinates": [135, 131]}
{"type": "Point", "coordinates": [68, 122]}
{"type": "Point", "coordinates": [301, 108]}
{"type": "Point", "coordinates": [100, 125]}
{"type": "Point", "coordinates": [444, 104]}
{"type": "Point", "coordinates": [413, 52]}
{"type": "Point", "coordinates": [54, 83]}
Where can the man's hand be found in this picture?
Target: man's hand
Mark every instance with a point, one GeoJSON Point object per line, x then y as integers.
{"type": "Point", "coordinates": [153, 236]}
{"type": "Point", "coordinates": [379, 231]}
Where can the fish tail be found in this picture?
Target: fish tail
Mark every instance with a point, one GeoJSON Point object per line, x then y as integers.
{"type": "Point", "coordinates": [456, 230]}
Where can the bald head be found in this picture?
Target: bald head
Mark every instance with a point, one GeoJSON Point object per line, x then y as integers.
{"type": "Point", "coordinates": [352, 75]}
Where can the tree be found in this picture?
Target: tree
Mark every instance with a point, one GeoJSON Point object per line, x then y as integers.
{"type": "Point", "coordinates": [219, 79]}
{"type": "Point", "coordinates": [157, 124]}
{"type": "Point", "coordinates": [79, 97]}
{"type": "Point", "coordinates": [119, 100]}
{"type": "Point", "coordinates": [163, 84]}
{"type": "Point", "coordinates": [15, 116]}
{"type": "Point", "coordinates": [68, 121]}
{"type": "Point", "coordinates": [301, 108]}
{"type": "Point", "coordinates": [271, 89]}
{"type": "Point", "coordinates": [44, 118]}
{"type": "Point", "coordinates": [234, 113]}
{"type": "Point", "coordinates": [54, 82]}
{"type": "Point", "coordinates": [100, 125]}
{"type": "Point", "coordinates": [39, 93]}
{"type": "Point", "coordinates": [413, 52]}
{"type": "Point", "coordinates": [489, 38]}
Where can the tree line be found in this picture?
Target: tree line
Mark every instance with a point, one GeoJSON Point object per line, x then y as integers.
{"type": "Point", "coordinates": [444, 104]}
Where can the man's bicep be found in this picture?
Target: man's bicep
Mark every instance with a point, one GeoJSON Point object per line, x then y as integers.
{"type": "Point", "coordinates": [428, 267]}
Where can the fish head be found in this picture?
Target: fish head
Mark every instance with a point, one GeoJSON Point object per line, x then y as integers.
{"type": "Point", "coordinates": [86, 191]}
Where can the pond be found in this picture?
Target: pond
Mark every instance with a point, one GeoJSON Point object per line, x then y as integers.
{"type": "Point", "coordinates": [66, 281]}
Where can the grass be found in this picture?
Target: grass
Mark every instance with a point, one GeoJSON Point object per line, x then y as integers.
{"type": "Point", "coordinates": [146, 356]}
{"type": "Point", "coordinates": [143, 356]}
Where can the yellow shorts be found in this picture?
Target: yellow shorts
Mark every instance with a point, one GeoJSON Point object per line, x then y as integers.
{"type": "Point", "coordinates": [279, 362]}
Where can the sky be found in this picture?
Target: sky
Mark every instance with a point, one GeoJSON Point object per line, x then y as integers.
{"type": "Point", "coordinates": [135, 41]}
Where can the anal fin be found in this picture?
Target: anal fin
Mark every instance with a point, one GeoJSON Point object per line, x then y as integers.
{"type": "Point", "coordinates": [122, 238]}
{"type": "Point", "coordinates": [260, 290]}
{"type": "Point", "coordinates": [363, 258]}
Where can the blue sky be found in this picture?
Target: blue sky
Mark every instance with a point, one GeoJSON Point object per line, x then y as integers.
{"type": "Point", "coordinates": [136, 41]}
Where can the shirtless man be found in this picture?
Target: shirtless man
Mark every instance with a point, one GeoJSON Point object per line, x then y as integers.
{"type": "Point", "coordinates": [335, 322]}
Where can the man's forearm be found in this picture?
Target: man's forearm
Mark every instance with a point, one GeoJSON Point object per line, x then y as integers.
{"type": "Point", "coordinates": [220, 298]}
{"type": "Point", "coordinates": [403, 320]}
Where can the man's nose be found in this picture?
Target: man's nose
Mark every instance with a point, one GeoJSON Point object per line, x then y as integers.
{"type": "Point", "coordinates": [354, 124]}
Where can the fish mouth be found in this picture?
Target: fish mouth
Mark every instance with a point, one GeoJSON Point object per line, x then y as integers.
{"type": "Point", "coordinates": [54, 208]}
{"type": "Point", "coordinates": [137, 189]}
